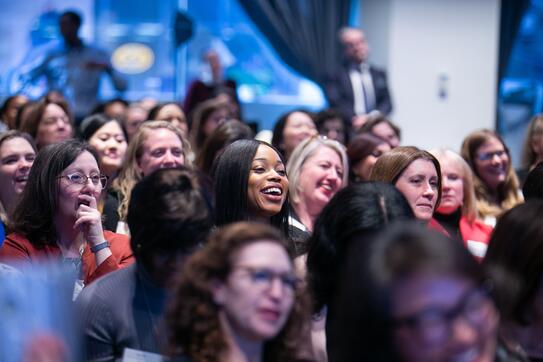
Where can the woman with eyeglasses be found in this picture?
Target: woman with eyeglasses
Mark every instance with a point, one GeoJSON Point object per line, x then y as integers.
{"type": "Point", "coordinates": [57, 217]}
{"type": "Point", "coordinates": [238, 299]}
{"type": "Point", "coordinates": [420, 296]}
{"type": "Point", "coordinates": [496, 184]}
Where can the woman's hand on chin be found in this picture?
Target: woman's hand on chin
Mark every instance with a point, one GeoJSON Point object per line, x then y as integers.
{"type": "Point", "coordinates": [89, 220]}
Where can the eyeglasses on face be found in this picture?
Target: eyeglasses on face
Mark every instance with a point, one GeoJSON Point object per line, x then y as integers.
{"type": "Point", "coordinates": [79, 178]}
{"type": "Point", "coordinates": [263, 278]}
{"type": "Point", "coordinates": [490, 155]}
{"type": "Point", "coordinates": [433, 325]}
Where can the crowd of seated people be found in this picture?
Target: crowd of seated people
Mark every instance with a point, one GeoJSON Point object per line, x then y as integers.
{"type": "Point", "coordinates": [189, 238]}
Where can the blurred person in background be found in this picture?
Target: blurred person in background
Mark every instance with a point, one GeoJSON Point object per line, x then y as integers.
{"type": "Point", "coordinates": [496, 184]}
{"type": "Point", "coordinates": [291, 129]}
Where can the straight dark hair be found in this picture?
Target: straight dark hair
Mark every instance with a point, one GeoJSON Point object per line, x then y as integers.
{"type": "Point", "coordinates": [363, 330]}
{"type": "Point", "coordinates": [362, 208]}
{"type": "Point", "coordinates": [230, 176]}
{"type": "Point", "coordinates": [33, 216]}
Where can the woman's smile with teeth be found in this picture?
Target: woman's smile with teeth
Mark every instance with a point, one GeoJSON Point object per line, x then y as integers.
{"type": "Point", "coordinates": [273, 191]}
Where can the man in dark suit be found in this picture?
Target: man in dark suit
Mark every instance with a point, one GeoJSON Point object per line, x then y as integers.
{"type": "Point", "coordinates": [358, 88]}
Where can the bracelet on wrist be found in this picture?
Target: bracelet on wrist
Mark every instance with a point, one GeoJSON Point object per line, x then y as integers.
{"type": "Point", "coordinates": [96, 248]}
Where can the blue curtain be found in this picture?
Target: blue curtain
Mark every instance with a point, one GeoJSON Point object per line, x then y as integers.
{"type": "Point", "coordinates": [511, 15]}
{"type": "Point", "coordinates": [303, 32]}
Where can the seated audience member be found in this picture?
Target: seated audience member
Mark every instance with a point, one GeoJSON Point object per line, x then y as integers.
{"type": "Point", "coordinates": [239, 299]}
{"type": "Point", "coordinates": [317, 169]}
{"type": "Point", "coordinates": [9, 110]}
{"type": "Point", "coordinates": [457, 212]}
{"type": "Point", "coordinates": [330, 124]}
{"type": "Point", "coordinates": [532, 151]}
{"type": "Point", "coordinates": [115, 108]}
{"type": "Point", "coordinates": [168, 218]}
{"type": "Point", "coordinates": [251, 185]}
{"type": "Point", "coordinates": [225, 134]}
{"type": "Point", "coordinates": [57, 216]}
{"type": "Point", "coordinates": [135, 116]}
{"type": "Point", "coordinates": [533, 185]}
{"type": "Point", "coordinates": [205, 119]}
{"type": "Point", "coordinates": [515, 262]}
{"type": "Point", "coordinates": [157, 144]}
{"type": "Point", "coordinates": [383, 128]}
{"type": "Point", "coordinates": [420, 296]}
{"type": "Point", "coordinates": [417, 174]}
{"type": "Point", "coordinates": [201, 90]}
{"type": "Point", "coordinates": [363, 208]}
{"type": "Point", "coordinates": [49, 122]}
{"type": "Point", "coordinates": [24, 112]}
{"type": "Point", "coordinates": [496, 184]}
{"type": "Point", "coordinates": [291, 129]}
{"type": "Point", "coordinates": [17, 154]}
{"type": "Point", "coordinates": [108, 138]}
{"type": "Point", "coordinates": [170, 112]}
{"type": "Point", "coordinates": [363, 151]}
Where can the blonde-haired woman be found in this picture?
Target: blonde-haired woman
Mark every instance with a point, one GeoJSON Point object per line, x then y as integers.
{"type": "Point", "coordinates": [317, 169]}
{"type": "Point", "coordinates": [157, 144]}
{"type": "Point", "coordinates": [457, 211]}
{"type": "Point", "coordinates": [495, 181]}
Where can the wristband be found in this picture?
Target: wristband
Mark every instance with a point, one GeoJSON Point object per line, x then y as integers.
{"type": "Point", "coordinates": [96, 248]}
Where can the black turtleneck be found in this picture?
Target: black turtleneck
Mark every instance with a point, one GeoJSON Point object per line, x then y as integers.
{"type": "Point", "coordinates": [450, 222]}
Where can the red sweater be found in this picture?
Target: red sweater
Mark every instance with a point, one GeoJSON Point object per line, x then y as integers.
{"type": "Point", "coordinates": [18, 251]}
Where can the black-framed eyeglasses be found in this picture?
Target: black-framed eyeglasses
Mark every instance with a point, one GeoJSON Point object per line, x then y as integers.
{"type": "Point", "coordinates": [79, 178]}
{"type": "Point", "coordinates": [434, 325]}
{"type": "Point", "coordinates": [263, 277]}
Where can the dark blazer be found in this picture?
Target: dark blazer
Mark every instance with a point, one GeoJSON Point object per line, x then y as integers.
{"type": "Point", "coordinates": [339, 92]}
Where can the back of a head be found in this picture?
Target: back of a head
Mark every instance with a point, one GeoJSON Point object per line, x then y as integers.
{"type": "Point", "coordinates": [359, 209]}
{"type": "Point", "coordinates": [514, 260]}
{"type": "Point", "coordinates": [225, 134]}
{"type": "Point", "coordinates": [168, 211]}
{"type": "Point", "coordinates": [362, 331]}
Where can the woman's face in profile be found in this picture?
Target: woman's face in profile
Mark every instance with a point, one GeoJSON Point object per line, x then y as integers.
{"type": "Point", "coordinates": [256, 298]}
{"type": "Point", "coordinates": [443, 318]}
{"type": "Point", "coordinates": [267, 186]}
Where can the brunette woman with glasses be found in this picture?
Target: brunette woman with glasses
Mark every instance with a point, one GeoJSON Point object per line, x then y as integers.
{"type": "Point", "coordinates": [420, 296]}
{"type": "Point", "coordinates": [57, 217]}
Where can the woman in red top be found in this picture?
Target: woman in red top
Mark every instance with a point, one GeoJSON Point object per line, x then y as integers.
{"type": "Point", "coordinates": [457, 212]}
{"type": "Point", "coordinates": [57, 217]}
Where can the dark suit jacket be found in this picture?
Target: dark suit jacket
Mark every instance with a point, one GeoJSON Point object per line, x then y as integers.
{"type": "Point", "coordinates": [339, 92]}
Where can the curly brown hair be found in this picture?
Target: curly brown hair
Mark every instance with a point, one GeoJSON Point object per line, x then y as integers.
{"type": "Point", "coordinates": [192, 315]}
